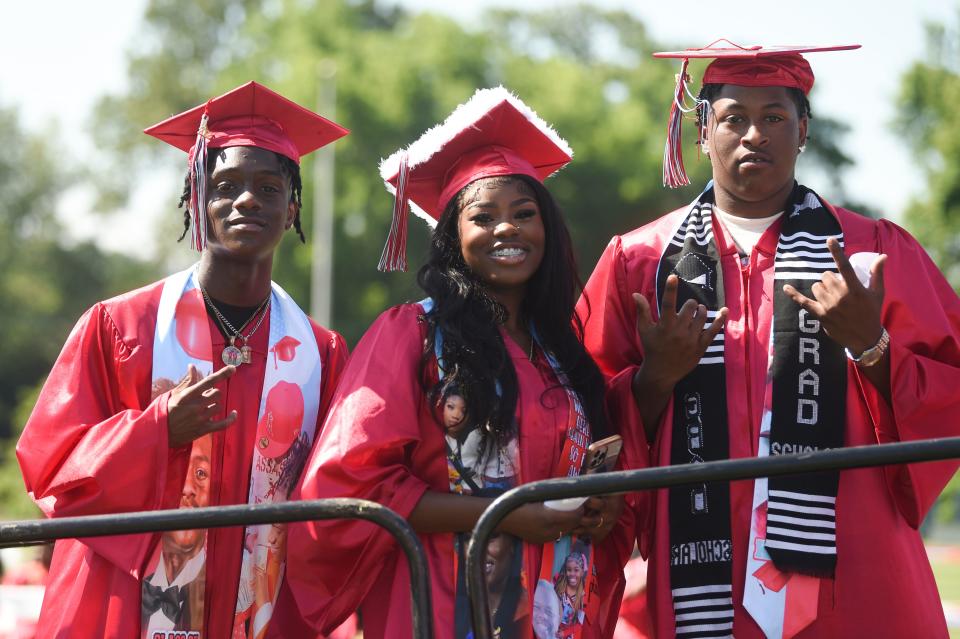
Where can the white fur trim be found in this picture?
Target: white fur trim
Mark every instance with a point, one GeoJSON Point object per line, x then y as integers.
{"type": "Point", "coordinates": [463, 117]}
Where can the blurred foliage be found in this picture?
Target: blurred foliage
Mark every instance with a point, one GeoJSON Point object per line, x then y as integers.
{"type": "Point", "coordinates": [14, 502]}
{"type": "Point", "coordinates": [929, 120]}
{"type": "Point", "coordinates": [45, 285]}
{"type": "Point", "coordinates": [586, 70]}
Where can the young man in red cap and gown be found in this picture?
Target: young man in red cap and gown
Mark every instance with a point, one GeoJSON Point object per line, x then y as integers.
{"type": "Point", "coordinates": [203, 389]}
{"type": "Point", "coordinates": [762, 320]}
{"type": "Point", "coordinates": [406, 426]}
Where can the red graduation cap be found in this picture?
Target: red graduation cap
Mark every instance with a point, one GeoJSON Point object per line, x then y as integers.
{"type": "Point", "coordinates": [250, 115]}
{"type": "Point", "coordinates": [492, 134]}
{"type": "Point", "coordinates": [752, 66]}
{"type": "Point", "coordinates": [282, 419]}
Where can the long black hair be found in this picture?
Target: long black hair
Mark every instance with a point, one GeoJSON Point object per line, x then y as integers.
{"type": "Point", "coordinates": [475, 357]}
{"type": "Point", "coordinates": [288, 166]}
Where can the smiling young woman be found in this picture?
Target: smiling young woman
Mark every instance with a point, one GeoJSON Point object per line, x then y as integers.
{"type": "Point", "coordinates": [496, 340]}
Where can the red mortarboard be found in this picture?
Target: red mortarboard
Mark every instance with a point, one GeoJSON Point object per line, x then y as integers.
{"type": "Point", "coordinates": [282, 419]}
{"type": "Point", "coordinates": [250, 115]}
{"type": "Point", "coordinates": [754, 66]}
{"type": "Point", "coordinates": [492, 134]}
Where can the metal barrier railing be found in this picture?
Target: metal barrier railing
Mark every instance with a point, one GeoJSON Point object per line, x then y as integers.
{"type": "Point", "coordinates": [665, 476]}
{"type": "Point", "coordinates": [26, 533]}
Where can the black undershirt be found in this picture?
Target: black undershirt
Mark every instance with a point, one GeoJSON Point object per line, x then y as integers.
{"type": "Point", "coordinates": [236, 315]}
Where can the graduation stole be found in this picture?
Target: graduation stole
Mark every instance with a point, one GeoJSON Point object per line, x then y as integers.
{"type": "Point", "coordinates": [286, 425]}
{"type": "Point", "coordinates": [806, 384]}
{"type": "Point", "coordinates": [566, 564]}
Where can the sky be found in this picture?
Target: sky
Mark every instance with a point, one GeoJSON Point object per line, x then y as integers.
{"type": "Point", "coordinates": [54, 81]}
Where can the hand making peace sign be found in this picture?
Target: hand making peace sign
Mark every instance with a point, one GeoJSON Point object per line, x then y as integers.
{"type": "Point", "coordinates": [192, 405]}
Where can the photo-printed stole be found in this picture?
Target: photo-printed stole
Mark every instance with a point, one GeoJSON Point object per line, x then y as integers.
{"type": "Point", "coordinates": [567, 614]}
{"type": "Point", "coordinates": [286, 425]}
{"type": "Point", "coordinates": [805, 391]}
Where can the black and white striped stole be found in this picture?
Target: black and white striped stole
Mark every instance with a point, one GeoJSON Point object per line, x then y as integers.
{"type": "Point", "coordinates": [700, 546]}
{"type": "Point", "coordinates": [809, 393]}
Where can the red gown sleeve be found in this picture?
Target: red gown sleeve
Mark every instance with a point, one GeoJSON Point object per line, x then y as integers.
{"type": "Point", "coordinates": [93, 444]}
{"type": "Point", "coordinates": [362, 452]}
{"type": "Point", "coordinates": [608, 313]}
{"type": "Point", "coordinates": [922, 314]}
{"type": "Point", "coordinates": [609, 316]}
{"type": "Point", "coordinates": [334, 355]}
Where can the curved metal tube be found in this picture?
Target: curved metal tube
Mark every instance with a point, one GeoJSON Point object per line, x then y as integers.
{"type": "Point", "coordinates": [25, 533]}
{"type": "Point", "coordinates": [665, 476]}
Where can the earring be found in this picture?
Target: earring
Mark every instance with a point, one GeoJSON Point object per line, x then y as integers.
{"type": "Point", "coordinates": [802, 148]}
{"type": "Point", "coordinates": [705, 148]}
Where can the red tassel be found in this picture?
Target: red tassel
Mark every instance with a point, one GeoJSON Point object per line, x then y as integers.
{"type": "Point", "coordinates": [198, 187]}
{"type": "Point", "coordinates": [674, 175]}
{"type": "Point", "coordinates": [394, 256]}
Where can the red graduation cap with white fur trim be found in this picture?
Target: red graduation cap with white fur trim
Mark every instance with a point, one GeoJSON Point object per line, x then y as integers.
{"type": "Point", "coordinates": [492, 134]}
{"type": "Point", "coordinates": [779, 66]}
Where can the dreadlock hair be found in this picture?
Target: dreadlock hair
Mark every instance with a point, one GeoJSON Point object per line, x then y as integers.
{"type": "Point", "coordinates": [475, 358]}
{"type": "Point", "coordinates": [289, 168]}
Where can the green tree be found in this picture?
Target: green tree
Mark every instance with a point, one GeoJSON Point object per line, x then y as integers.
{"type": "Point", "coordinates": [45, 283]}
{"type": "Point", "coordinates": [929, 121]}
{"type": "Point", "coordinates": [586, 70]}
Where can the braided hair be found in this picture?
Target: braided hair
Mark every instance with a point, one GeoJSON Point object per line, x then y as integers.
{"type": "Point", "coordinates": [289, 168]}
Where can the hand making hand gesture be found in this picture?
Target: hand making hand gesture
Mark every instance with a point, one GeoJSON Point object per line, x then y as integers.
{"type": "Point", "coordinates": [850, 312]}
{"type": "Point", "coordinates": [672, 348]}
{"type": "Point", "coordinates": [192, 405]}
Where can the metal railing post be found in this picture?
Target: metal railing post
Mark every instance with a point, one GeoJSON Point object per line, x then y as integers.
{"type": "Point", "coordinates": [665, 476]}
{"type": "Point", "coordinates": [25, 533]}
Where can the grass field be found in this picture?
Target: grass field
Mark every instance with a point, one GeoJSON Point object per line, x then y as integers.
{"type": "Point", "coordinates": [945, 560]}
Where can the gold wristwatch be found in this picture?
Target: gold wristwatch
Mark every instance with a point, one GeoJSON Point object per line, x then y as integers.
{"type": "Point", "coordinates": [873, 354]}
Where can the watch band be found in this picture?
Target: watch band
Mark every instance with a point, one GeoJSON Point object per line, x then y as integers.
{"type": "Point", "coordinates": [873, 354]}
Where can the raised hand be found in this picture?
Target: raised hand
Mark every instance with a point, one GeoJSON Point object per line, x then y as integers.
{"type": "Point", "coordinates": [192, 405]}
{"type": "Point", "coordinates": [673, 346]}
{"type": "Point", "coordinates": [850, 312]}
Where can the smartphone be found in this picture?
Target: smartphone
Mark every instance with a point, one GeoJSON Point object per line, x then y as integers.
{"type": "Point", "coordinates": [602, 455]}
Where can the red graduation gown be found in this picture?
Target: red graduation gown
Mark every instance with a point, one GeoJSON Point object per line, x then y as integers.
{"type": "Point", "coordinates": [884, 586]}
{"type": "Point", "coordinates": [95, 443]}
{"type": "Point", "coordinates": [382, 443]}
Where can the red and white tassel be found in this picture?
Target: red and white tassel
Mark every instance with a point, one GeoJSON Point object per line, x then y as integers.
{"type": "Point", "coordinates": [394, 256]}
{"type": "Point", "coordinates": [674, 175]}
{"type": "Point", "coordinates": [198, 187]}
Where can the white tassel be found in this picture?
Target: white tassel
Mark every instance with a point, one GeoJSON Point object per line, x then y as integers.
{"type": "Point", "coordinates": [198, 188]}
{"type": "Point", "coordinates": [394, 256]}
